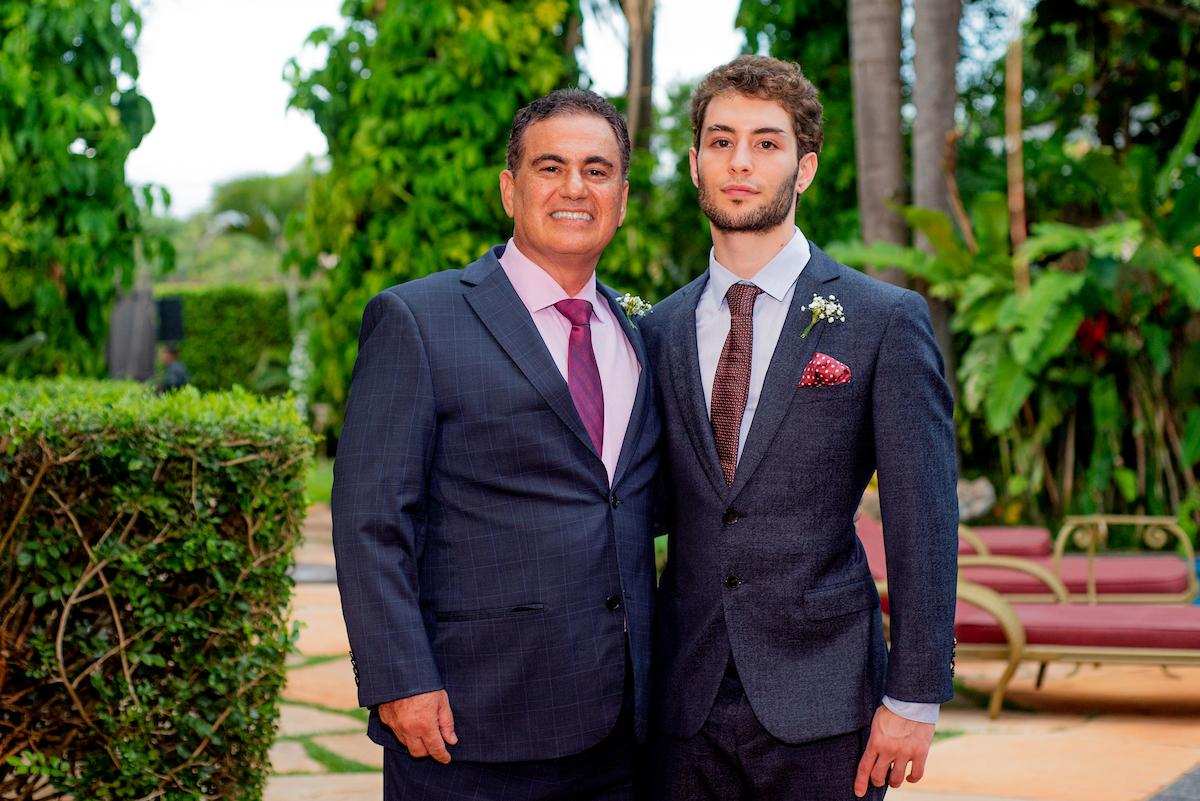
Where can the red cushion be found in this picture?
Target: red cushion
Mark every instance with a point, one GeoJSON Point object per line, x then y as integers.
{"type": "Point", "coordinates": [1111, 626]}
{"type": "Point", "coordinates": [1011, 540]}
{"type": "Point", "coordinates": [1114, 574]}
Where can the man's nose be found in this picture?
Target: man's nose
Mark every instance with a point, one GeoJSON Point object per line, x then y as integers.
{"type": "Point", "coordinates": [741, 161]}
{"type": "Point", "coordinates": [573, 185]}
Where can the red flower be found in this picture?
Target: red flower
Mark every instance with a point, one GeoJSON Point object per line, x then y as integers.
{"type": "Point", "coordinates": [1091, 335]}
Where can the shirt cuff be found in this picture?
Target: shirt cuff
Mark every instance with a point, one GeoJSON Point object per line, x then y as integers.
{"type": "Point", "coordinates": [913, 710]}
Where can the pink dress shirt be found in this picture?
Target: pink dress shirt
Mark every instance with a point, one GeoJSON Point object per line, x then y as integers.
{"type": "Point", "coordinates": [615, 357]}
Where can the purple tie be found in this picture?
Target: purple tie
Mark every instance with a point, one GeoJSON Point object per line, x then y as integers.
{"type": "Point", "coordinates": [583, 376]}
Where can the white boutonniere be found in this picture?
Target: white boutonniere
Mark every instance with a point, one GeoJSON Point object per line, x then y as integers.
{"type": "Point", "coordinates": [633, 305]}
{"type": "Point", "coordinates": [826, 308]}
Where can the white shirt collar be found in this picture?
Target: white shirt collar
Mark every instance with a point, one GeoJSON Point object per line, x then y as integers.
{"type": "Point", "coordinates": [775, 278]}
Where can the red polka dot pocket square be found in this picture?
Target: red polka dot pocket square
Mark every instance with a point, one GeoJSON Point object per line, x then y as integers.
{"type": "Point", "coordinates": [824, 371]}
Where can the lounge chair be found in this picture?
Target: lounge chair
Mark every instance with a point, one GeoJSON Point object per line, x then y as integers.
{"type": "Point", "coordinates": [989, 626]}
{"type": "Point", "coordinates": [1090, 577]}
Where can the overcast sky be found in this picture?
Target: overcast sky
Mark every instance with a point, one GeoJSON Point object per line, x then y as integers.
{"type": "Point", "coordinates": [213, 70]}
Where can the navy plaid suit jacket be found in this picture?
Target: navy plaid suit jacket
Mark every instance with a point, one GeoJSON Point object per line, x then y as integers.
{"type": "Point", "coordinates": [770, 569]}
{"type": "Point", "coordinates": [480, 547]}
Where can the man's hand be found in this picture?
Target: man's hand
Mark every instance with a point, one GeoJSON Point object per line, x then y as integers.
{"type": "Point", "coordinates": [424, 723]}
{"type": "Point", "coordinates": [894, 742]}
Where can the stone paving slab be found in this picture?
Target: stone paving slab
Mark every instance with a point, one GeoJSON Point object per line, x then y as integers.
{"type": "Point", "coordinates": [1126, 689]}
{"type": "Point", "coordinates": [353, 746]}
{"type": "Point", "coordinates": [907, 792]}
{"type": "Point", "coordinates": [323, 629]}
{"type": "Point", "coordinates": [330, 787]}
{"type": "Point", "coordinates": [290, 757]}
{"type": "Point", "coordinates": [1091, 764]}
{"type": "Point", "coordinates": [295, 721]}
{"type": "Point", "coordinates": [329, 684]}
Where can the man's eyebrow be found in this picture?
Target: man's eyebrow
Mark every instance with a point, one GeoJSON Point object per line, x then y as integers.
{"type": "Point", "coordinates": [598, 160]}
{"type": "Point", "coordinates": [557, 159]}
{"type": "Point", "coordinates": [756, 131]}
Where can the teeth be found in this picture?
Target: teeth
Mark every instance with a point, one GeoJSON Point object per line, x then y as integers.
{"type": "Point", "coordinates": [571, 215]}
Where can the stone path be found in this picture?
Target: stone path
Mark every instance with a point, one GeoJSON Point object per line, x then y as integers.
{"type": "Point", "coordinates": [1109, 733]}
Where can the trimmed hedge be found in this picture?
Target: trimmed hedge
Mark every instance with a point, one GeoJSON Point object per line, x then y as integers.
{"type": "Point", "coordinates": [234, 335]}
{"type": "Point", "coordinates": [144, 548]}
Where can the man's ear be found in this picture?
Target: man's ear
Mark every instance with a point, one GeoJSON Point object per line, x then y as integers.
{"type": "Point", "coordinates": [624, 203]}
{"type": "Point", "coordinates": [806, 173]}
{"type": "Point", "coordinates": [508, 187]}
{"type": "Point", "coordinates": [693, 158]}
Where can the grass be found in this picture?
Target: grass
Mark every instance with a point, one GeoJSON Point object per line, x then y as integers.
{"type": "Point", "coordinates": [946, 734]}
{"type": "Point", "coordinates": [320, 480]}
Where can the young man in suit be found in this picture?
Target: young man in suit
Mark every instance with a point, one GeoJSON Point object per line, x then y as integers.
{"type": "Point", "coordinates": [492, 494]}
{"type": "Point", "coordinates": [786, 380]}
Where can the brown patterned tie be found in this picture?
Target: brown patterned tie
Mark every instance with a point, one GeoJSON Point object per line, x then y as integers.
{"type": "Point", "coordinates": [731, 385]}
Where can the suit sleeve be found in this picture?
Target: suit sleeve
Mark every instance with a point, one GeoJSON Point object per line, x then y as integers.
{"type": "Point", "coordinates": [378, 502]}
{"type": "Point", "coordinates": [916, 464]}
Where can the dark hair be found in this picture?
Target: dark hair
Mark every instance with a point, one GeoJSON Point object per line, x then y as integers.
{"type": "Point", "coordinates": [767, 79]}
{"type": "Point", "coordinates": [567, 101]}
{"type": "Point", "coordinates": [171, 347]}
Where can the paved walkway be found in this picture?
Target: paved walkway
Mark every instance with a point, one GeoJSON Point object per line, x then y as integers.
{"type": "Point", "coordinates": [1110, 733]}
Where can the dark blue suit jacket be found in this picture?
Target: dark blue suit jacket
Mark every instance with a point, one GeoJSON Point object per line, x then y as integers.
{"type": "Point", "coordinates": [480, 547]}
{"type": "Point", "coordinates": [770, 569]}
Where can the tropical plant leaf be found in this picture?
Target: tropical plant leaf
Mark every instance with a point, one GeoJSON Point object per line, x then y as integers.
{"type": "Point", "coordinates": [1010, 388]}
{"type": "Point", "coordinates": [1183, 148]}
{"type": "Point", "coordinates": [989, 218]}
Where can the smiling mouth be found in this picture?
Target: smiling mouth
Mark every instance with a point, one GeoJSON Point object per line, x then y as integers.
{"type": "Point", "coordinates": [578, 216]}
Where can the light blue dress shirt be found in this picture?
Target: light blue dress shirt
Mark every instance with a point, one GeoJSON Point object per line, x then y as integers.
{"type": "Point", "coordinates": [777, 280]}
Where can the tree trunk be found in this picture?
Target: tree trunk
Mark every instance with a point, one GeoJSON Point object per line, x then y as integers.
{"type": "Point", "coordinates": [935, 94]}
{"type": "Point", "coordinates": [875, 74]}
{"type": "Point", "coordinates": [1015, 145]}
{"type": "Point", "coordinates": [639, 15]}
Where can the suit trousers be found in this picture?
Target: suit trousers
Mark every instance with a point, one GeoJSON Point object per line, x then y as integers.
{"type": "Point", "coordinates": [604, 772]}
{"type": "Point", "coordinates": [733, 758]}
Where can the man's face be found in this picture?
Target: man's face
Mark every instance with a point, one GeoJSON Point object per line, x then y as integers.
{"type": "Point", "coordinates": [567, 196]}
{"type": "Point", "coordinates": [747, 167]}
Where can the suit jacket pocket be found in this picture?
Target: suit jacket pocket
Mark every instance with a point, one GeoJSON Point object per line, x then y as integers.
{"type": "Point", "coordinates": [821, 603]}
{"type": "Point", "coordinates": [822, 394]}
{"type": "Point", "coordinates": [458, 615]}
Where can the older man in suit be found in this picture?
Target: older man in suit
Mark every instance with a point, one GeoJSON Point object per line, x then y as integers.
{"type": "Point", "coordinates": [492, 494]}
{"type": "Point", "coordinates": [786, 380]}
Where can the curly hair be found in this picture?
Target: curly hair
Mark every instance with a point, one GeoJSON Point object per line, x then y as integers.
{"type": "Point", "coordinates": [767, 79]}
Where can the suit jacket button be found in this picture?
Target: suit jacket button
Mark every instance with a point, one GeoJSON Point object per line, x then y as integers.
{"type": "Point", "coordinates": [730, 517]}
{"type": "Point", "coordinates": [612, 603]}
{"type": "Point", "coordinates": [732, 582]}
{"type": "Point", "coordinates": [614, 500]}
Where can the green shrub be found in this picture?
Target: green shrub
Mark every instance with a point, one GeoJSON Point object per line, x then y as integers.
{"type": "Point", "coordinates": [234, 335]}
{"type": "Point", "coordinates": [144, 548]}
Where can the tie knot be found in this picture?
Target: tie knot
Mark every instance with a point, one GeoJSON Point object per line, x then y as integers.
{"type": "Point", "coordinates": [579, 312]}
{"type": "Point", "coordinates": [740, 298]}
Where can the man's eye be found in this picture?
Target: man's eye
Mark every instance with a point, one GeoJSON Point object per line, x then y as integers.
{"type": "Point", "coordinates": [720, 143]}
{"type": "Point", "coordinates": [550, 168]}
{"type": "Point", "coordinates": [597, 173]}
{"type": "Point", "coordinates": [769, 145]}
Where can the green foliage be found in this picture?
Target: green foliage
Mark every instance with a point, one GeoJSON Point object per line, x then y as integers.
{"type": "Point", "coordinates": [144, 548]}
{"type": "Point", "coordinates": [665, 240]}
{"type": "Point", "coordinates": [206, 252]}
{"type": "Point", "coordinates": [234, 335]}
{"type": "Point", "coordinates": [1086, 383]}
{"type": "Point", "coordinates": [415, 101]}
{"type": "Point", "coordinates": [815, 34]}
{"type": "Point", "coordinates": [70, 113]}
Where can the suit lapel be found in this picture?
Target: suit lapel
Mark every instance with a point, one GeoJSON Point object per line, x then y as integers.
{"type": "Point", "coordinates": [791, 355]}
{"type": "Point", "coordinates": [689, 387]}
{"type": "Point", "coordinates": [637, 415]}
{"type": "Point", "coordinates": [493, 299]}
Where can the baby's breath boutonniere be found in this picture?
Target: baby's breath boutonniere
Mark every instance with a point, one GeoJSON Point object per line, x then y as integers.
{"type": "Point", "coordinates": [633, 305]}
{"type": "Point", "coordinates": [826, 308]}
